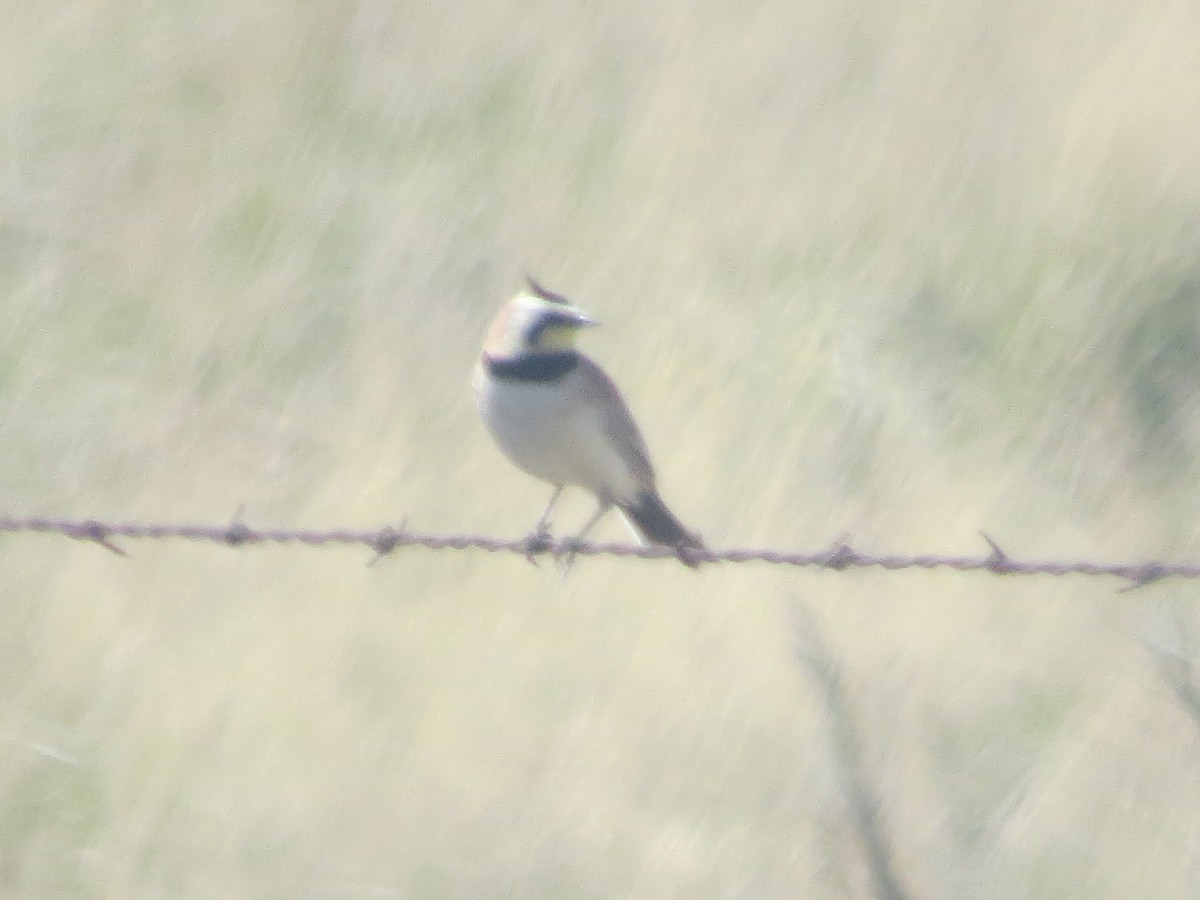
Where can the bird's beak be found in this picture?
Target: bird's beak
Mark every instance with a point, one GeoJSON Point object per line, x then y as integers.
{"type": "Point", "coordinates": [585, 321]}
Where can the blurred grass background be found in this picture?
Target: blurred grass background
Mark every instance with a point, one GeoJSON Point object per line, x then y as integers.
{"type": "Point", "coordinates": [901, 274]}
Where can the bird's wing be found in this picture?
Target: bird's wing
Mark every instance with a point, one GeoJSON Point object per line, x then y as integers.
{"type": "Point", "coordinates": [617, 422]}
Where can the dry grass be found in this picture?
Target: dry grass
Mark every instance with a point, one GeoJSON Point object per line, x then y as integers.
{"type": "Point", "coordinates": [901, 274]}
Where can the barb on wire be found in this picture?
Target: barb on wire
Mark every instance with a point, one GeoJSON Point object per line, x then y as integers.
{"type": "Point", "coordinates": [389, 539]}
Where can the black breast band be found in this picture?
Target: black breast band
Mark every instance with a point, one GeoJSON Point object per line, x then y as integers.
{"type": "Point", "coordinates": [534, 367]}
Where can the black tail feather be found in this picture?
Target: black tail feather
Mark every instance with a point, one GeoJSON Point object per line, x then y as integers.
{"type": "Point", "coordinates": [658, 526]}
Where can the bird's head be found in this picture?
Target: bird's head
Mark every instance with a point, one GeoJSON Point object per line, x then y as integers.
{"type": "Point", "coordinates": [536, 321]}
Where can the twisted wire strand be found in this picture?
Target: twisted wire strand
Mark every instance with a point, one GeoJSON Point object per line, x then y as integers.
{"type": "Point", "coordinates": [389, 538]}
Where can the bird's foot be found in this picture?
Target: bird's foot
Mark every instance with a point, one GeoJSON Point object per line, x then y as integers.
{"type": "Point", "coordinates": [568, 550]}
{"type": "Point", "coordinates": [537, 541]}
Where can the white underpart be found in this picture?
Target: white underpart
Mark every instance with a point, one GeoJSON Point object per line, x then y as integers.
{"type": "Point", "coordinates": [554, 433]}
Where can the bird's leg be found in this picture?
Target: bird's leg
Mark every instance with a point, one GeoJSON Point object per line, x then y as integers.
{"type": "Point", "coordinates": [543, 523]}
{"type": "Point", "coordinates": [539, 538]}
{"type": "Point", "coordinates": [601, 509]}
{"type": "Point", "coordinates": [572, 544]}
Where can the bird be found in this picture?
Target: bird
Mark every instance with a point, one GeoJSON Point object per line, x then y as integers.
{"type": "Point", "coordinates": [558, 416]}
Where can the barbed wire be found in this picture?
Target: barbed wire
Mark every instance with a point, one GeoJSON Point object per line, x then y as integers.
{"type": "Point", "coordinates": [389, 539]}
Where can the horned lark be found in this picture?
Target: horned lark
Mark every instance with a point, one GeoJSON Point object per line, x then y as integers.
{"type": "Point", "coordinates": [558, 416]}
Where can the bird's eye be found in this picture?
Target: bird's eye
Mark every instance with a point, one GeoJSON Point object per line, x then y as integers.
{"type": "Point", "coordinates": [535, 330]}
{"type": "Point", "coordinates": [547, 321]}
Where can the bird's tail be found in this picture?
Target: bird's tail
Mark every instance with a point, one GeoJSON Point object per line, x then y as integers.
{"type": "Point", "coordinates": [658, 526]}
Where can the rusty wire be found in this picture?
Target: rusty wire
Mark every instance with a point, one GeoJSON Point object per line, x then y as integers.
{"type": "Point", "coordinates": [388, 539]}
